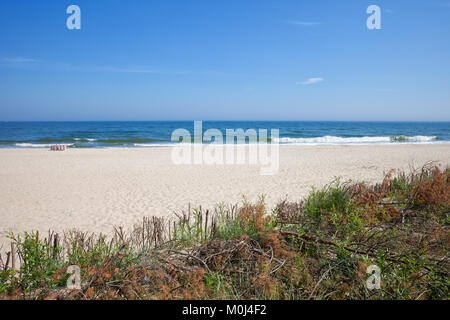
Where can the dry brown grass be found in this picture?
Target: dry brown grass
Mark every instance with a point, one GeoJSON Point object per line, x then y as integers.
{"type": "Point", "coordinates": [309, 249]}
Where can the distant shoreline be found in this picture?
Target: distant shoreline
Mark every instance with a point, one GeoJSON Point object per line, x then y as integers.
{"type": "Point", "coordinates": [151, 146]}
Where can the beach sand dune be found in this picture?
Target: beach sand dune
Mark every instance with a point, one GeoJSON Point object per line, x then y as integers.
{"type": "Point", "coordinates": [95, 189]}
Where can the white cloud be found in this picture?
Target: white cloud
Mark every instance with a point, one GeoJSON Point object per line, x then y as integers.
{"type": "Point", "coordinates": [303, 23]}
{"type": "Point", "coordinates": [312, 81]}
{"type": "Point", "coordinates": [19, 63]}
{"type": "Point", "coordinates": [121, 70]}
{"type": "Point", "coordinates": [19, 60]}
{"type": "Point", "coordinates": [33, 64]}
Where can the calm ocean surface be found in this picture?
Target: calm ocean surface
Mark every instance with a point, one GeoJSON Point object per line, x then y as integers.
{"type": "Point", "coordinates": [158, 133]}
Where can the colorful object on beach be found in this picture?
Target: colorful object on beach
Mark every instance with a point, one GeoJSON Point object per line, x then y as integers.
{"type": "Point", "coordinates": [58, 147]}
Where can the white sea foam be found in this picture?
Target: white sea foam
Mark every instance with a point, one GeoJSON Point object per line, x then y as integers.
{"type": "Point", "coordinates": [36, 145]}
{"type": "Point", "coordinates": [329, 140]}
{"type": "Point", "coordinates": [155, 144]}
{"type": "Point", "coordinates": [325, 140]}
{"type": "Point", "coordinates": [355, 140]}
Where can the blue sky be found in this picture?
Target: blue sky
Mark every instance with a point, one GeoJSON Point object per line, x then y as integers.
{"type": "Point", "coordinates": [225, 60]}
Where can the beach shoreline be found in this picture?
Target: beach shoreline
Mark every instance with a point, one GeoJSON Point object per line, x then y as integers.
{"type": "Point", "coordinates": [96, 189]}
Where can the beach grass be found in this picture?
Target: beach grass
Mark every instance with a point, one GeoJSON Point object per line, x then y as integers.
{"type": "Point", "coordinates": [316, 248]}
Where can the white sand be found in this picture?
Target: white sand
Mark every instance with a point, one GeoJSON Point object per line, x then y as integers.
{"type": "Point", "coordinates": [95, 189]}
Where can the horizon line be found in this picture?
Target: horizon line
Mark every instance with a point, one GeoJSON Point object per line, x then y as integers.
{"type": "Point", "coordinates": [216, 120]}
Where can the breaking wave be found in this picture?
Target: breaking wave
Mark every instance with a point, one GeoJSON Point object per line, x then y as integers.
{"type": "Point", "coordinates": [355, 140]}
{"type": "Point", "coordinates": [38, 145]}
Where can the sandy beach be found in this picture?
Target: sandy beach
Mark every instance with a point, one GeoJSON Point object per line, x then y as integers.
{"type": "Point", "coordinates": [95, 189]}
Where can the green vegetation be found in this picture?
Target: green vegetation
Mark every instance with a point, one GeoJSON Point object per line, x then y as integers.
{"type": "Point", "coordinates": [319, 248]}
